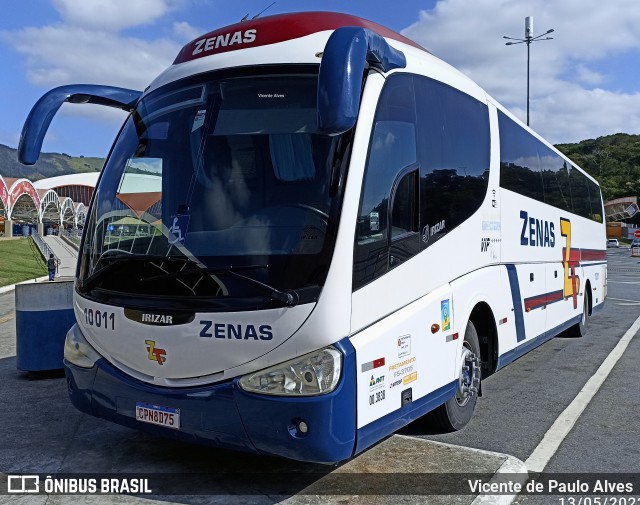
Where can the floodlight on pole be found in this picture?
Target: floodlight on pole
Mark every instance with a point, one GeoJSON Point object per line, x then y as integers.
{"type": "Point", "coordinates": [528, 39]}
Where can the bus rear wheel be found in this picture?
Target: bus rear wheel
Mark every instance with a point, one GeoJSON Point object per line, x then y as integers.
{"type": "Point", "coordinates": [457, 411]}
{"type": "Point", "coordinates": [581, 328]}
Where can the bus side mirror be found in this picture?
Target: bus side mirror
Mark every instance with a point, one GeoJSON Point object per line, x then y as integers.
{"type": "Point", "coordinates": [347, 52]}
{"type": "Point", "coordinates": [39, 119]}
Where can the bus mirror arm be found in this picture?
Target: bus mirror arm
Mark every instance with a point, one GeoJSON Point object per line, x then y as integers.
{"type": "Point", "coordinates": [39, 119]}
{"type": "Point", "coordinates": [348, 51]}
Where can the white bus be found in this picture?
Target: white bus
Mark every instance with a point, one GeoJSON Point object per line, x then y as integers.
{"type": "Point", "coordinates": [330, 233]}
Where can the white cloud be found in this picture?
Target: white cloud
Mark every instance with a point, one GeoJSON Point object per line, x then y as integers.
{"type": "Point", "coordinates": [588, 76]}
{"type": "Point", "coordinates": [573, 114]}
{"type": "Point", "coordinates": [113, 42]}
{"type": "Point", "coordinates": [185, 32]}
{"type": "Point", "coordinates": [468, 34]}
{"type": "Point", "coordinates": [63, 55]}
{"type": "Point", "coordinates": [112, 15]}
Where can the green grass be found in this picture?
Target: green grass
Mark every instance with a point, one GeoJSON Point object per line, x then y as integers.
{"type": "Point", "coordinates": [20, 261]}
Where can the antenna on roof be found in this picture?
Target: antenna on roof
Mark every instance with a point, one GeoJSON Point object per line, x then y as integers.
{"type": "Point", "coordinates": [259, 13]}
{"type": "Point", "coordinates": [267, 7]}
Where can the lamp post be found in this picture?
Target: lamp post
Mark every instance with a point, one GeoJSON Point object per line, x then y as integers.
{"type": "Point", "coordinates": [528, 39]}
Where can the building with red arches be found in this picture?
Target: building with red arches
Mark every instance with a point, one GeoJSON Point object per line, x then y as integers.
{"type": "Point", "coordinates": [46, 205]}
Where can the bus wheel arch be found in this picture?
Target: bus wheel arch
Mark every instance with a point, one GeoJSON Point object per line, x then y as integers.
{"type": "Point", "coordinates": [485, 324]}
{"type": "Point", "coordinates": [581, 328]}
{"type": "Point", "coordinates": [481, 339]}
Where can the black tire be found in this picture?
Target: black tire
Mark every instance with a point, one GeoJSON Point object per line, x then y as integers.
{"type": "Point", "coordinates": [457, 412]}
{"type": "Point", "coordinates": [581, 328]}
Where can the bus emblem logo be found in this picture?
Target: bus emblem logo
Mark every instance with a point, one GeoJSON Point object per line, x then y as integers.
{"type": "Point", "coordinates": [155, 353]}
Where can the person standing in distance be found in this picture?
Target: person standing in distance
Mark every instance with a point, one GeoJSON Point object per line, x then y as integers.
{"type": "Point", "coordinates": [51, 266]}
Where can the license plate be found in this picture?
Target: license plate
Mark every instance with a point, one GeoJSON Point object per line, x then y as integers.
{"type": "Point", "coordinates": [157, 414]}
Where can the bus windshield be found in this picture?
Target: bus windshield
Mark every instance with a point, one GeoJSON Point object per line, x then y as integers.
{"type": "Point", "coordinates": [219, 191]}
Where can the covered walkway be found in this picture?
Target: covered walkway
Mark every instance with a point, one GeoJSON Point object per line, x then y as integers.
{"type": "Point", "coordinates": [66, 254]}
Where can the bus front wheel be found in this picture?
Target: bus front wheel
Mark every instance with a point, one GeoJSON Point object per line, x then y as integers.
{"type": "Point", "coordinates": [457, 412]}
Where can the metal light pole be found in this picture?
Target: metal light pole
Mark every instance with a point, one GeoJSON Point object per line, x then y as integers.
{"type": "Point", "coordinates": [528, 39]}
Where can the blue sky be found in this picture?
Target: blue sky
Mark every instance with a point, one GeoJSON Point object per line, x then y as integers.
{"type": "Point", "coordinates": [584, 84]}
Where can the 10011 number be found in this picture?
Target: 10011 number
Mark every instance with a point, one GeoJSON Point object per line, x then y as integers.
{"type": "Point", "coordinates": [100, 319]}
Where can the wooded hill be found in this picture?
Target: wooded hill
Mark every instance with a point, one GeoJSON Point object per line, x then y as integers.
{"type": "Point", "coordinates": [613, 160]}
{"type": "Point", "coordinates": [48, 165]}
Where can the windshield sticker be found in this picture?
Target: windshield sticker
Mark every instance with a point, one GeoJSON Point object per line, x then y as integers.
{"type": "Point", "coordinates": [198, 121]}
{"type": "Point", "coordinates": [270, 95]}
{"type": "Point", "coordinates": [178, 230]}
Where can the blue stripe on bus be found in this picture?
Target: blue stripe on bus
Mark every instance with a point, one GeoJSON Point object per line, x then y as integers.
{"type": "Point", "coordinates": [224, 415]}
{"type": "Point", "coordinates": [517, 302]}
{"type": "Point", "coordinates": [514, 354]}
{"type": "Point", "coordinates": [270, 421]}
{"type": "Point", "coordinates": [386, 425]}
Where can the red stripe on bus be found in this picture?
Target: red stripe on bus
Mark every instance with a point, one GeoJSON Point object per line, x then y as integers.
{"type": "Point", "coordinates": [535, 302]}
{"type": "Point", "coordinates": [274, 29]}
{"type": "Point", "coordinates": [592, 255]}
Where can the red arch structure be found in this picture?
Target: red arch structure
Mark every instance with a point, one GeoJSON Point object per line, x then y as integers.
{"type": "Point", "coordinates": [24, 201]}
{"type": "Point", "coordinates": [47, 201]}
{"type": "Point", "coordinates": [4, 197]}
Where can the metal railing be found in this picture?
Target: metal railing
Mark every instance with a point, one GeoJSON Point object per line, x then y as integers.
{"type": "Point", "coordinates": [45, 250]}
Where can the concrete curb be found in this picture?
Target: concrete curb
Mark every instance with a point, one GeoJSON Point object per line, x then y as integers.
{"type": "Point", "coordinates": [6, 289]}
{"type": "Point", "coordinates": [510, 466]}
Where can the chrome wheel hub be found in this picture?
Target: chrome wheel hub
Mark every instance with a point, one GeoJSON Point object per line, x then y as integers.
{"type": "Point", "coordinates": [469, 379]}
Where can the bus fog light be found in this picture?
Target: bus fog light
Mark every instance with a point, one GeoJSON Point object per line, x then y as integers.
{"type": "Point", "coordinates": [302, 427]}
{"type": "Point", "coordinates": [78, 351]}
{"type": "Point", "coordinates": [309, 375]}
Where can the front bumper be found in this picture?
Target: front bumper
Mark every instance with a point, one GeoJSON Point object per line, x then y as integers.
{"type": "Point", "coordinates": [224, 415]}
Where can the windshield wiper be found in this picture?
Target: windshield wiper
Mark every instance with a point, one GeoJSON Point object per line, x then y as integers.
{"type": "Point", "coordinates": [118, 259]}
{"type": "Point", "coordinates": [288, 298]}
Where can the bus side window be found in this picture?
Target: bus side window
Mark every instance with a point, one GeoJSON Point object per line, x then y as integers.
{"type": "Point", "coordinates": [520, 160]}
{"type": "Point", "coordinates": [405, 241]}
{"type": "Point", "coordinates": [454, 148]}
{"type": "Point", "coordinates": [392, 150]}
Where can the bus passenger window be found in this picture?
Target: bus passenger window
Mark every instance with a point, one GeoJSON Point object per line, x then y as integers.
{"type": "Point", "coordinates": [454, 148]}
{"type": "Point", "coordinates": [404, 215]}
{"type": "Point", "coordinates": [392, 149]}
{"type": "Point", "coordinates": [405, 240]}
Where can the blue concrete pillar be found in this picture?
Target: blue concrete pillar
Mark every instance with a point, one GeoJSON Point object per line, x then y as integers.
{"type": "Point", "coordinates": [44, 314]}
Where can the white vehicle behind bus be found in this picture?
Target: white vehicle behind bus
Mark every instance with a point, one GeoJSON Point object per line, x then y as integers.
{"type": "Point", "coordinates": [332, 233]}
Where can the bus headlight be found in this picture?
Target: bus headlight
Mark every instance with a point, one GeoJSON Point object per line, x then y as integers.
{"type": "Point", "coordinates": [77, 350]}
{"type": "Point", "coordinates": [313, 374]}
